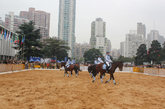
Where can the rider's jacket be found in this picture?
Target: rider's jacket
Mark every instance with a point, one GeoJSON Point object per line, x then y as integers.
{"type": "Point", "coordinates": [100, 60]}
{"type": "Point", "coordinates": [108, 59]}
{"type": "Point", "coordinates": [73, 61]}
{"type": "Point", "coordinates": [95, 62]}
{"type": "Point", "coordinates": [68, 62]}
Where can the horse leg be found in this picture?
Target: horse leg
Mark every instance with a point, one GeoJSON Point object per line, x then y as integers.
{"type": "Point", "coordinates": [71, 73]}
{"type": "Point", "coordinates": [97, 74]}
{"type": "Point", "coordinates": [76, 75]}
{"type": "Point", "coordinates": [64, 73]}
{"type": "Point", "coordinates": [94, 76]}
{"type": "Point", "coordinates": [109, 78]}
{"type": "Point", "coordinates": [114, 82]}
{"type": "Point", "coordinates": [103, 75]}
{"type": "Point", "coordinates": [76, 72]}
{"type": "Point", "coordinates": [90, 73]}
{"type": "Point", "coordinates": [101, 78]}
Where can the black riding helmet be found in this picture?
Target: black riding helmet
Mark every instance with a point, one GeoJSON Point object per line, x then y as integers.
{"type": "Point", "coordinates": [68, 58]}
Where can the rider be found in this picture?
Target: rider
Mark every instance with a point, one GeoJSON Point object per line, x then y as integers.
{"type": "Point", "coordinates": [99, 60]}
{"type": "Point", "coordinates": [95, 61]}
{"type": "Point", "coordinates": [108, 61]}
{"type": "Point", "coordinates": [68, 63]}
{"type": "Point", "coordinates": [73, 61]}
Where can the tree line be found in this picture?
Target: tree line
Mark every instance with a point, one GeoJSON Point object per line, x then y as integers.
{"type": "Point", "coordinates": [36, 47]}
{"type": "Point", "coordinates": [154, 55]}
{"type": "Point", "coordinates": [52, 47]}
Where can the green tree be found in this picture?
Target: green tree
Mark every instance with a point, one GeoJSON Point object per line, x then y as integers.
{"type": "Point", "coordinates": [141, 55]}
{"type": "Point", "coordinates": [125, 59]}
{"type": "Point", "coordinates": [31, 45]}
{"type": "Point", "coordinates": [91, 54]}
{"type": "Point", "coordinates": [54, 48]}
{"type": "Point", "coordinates": [155, 52]}
{"type": "Point", "coordinates": [163, 53]}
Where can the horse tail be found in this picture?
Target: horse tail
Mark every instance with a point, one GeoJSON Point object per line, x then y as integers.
{"type": "Point", "coordinates": [76, 69]}
{"type": "Point", "coordinates": [79, 68]}
{"type": "Point", "coordinates": [90, 68]}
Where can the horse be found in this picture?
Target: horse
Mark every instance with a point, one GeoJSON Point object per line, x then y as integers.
{"type": "Point", "coordinates": [60, 65]}
{"type": "Point", "coordinates": [75, 67]}
{"type": "Point", "coordinates": [63, 64]}
{"type": "Point", "coordinates": [99, 68]}
{"type": "Point", "coordinates": [91, 69]}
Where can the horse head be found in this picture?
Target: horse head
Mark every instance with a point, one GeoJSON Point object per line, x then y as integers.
{"type": "Point", "coordinates": [120, 65]}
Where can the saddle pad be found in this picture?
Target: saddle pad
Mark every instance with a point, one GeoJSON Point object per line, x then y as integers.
{"type": "Point", "coordinates": [104, 66]}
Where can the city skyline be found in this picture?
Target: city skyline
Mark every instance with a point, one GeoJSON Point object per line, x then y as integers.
{"type": "Point", "coordinates": [120, 16]}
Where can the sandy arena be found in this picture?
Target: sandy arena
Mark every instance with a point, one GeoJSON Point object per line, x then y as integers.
{"type": "Point", "coordinates": [51, 90]}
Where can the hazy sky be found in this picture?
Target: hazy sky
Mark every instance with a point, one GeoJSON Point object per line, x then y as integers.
{"type": "Point", "coordinates": [120, 15]}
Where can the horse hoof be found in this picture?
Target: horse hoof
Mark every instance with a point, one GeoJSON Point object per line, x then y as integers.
{"type": "Point", "coordinates": [93, 81]}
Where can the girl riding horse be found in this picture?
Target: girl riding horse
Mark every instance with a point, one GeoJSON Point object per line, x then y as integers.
{"type": "Point", "coordinates": [99, 68]}
{"type": "Point", "coordinates": [75, 67]}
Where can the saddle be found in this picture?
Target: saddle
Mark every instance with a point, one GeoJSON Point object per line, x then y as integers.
{"type": "Point", "coordinates": [106, 67]}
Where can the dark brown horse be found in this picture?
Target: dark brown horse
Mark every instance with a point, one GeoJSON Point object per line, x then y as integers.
{"type": "Point", "coordinates": [92, 70]}
{"type": "Point", "coordinates": [99, 68]}
{"type": "Point", "coordinates": [60, 65]}
{"type": "Point", "coordinates": [71, 68]}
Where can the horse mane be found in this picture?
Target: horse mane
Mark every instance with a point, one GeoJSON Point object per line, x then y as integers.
{"type": "Point", "coordinates": [117, 63]}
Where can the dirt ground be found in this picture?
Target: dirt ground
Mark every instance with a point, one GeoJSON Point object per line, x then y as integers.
{"type": "Point", "coordinates": [51, 90]}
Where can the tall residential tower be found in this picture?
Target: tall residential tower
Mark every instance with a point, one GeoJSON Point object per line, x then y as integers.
{"type": "Point", "coordinates": [66, 24]}
{"type": "Point", "coordinates": [98, 39]}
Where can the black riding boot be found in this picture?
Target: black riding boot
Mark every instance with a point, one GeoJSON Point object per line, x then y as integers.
{"type": "Point", "coordinates": [107, 69]}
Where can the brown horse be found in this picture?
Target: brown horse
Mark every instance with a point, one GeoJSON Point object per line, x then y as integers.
{"type": "Point", "coordinates": [99, 68]}
{"type": "Point", "coordinates": [75, 67]}
{"type": "Point", "coordinates": [60, 65]}
{"type": "Point", "coordinates": [91, 70]}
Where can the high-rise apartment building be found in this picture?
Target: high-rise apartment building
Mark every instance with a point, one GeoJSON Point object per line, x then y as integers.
{"type": "Point", "coordinates": [141, 30]}
{"type": "Point", "coordinates": [66, 24]}
{"type": "Point", "coordinates": [2, 23]}
{"type": "Point", "coordinates": [80, 50]}
{"type": "Point", "coordinates": [108, 45]}
{"type": "Point", "coordinates": [12, 22]}
{"type": "Point", "coordinates": [154, 35]}
{"type": "Point", "coordinates": [41, 20]}
{"type": "Point", "coordinates": [98, 39]}
{"type": "Point", "coordinates": [97, 30]}
{"type": "Point", "coordinates": [133, 40]}
{"type": "Point", "coordinates": [132, 43]}
{"type": "Point", "coordinates": [115, 53]}
{"type": "Point", "coordinates": [122, 48]}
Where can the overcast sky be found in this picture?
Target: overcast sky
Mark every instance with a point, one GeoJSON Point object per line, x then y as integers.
{"type": "Point", "coordinates": [120, 15]}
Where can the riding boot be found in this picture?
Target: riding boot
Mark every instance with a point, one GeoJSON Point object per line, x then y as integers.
{"type": "Point", "coordinates": [107, 69]}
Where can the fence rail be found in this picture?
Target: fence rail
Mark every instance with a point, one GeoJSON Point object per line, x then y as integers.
{"type": "Point", "coordinates": [151, 71]}
{"type": "Point", "coordinates": [11, 67]}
